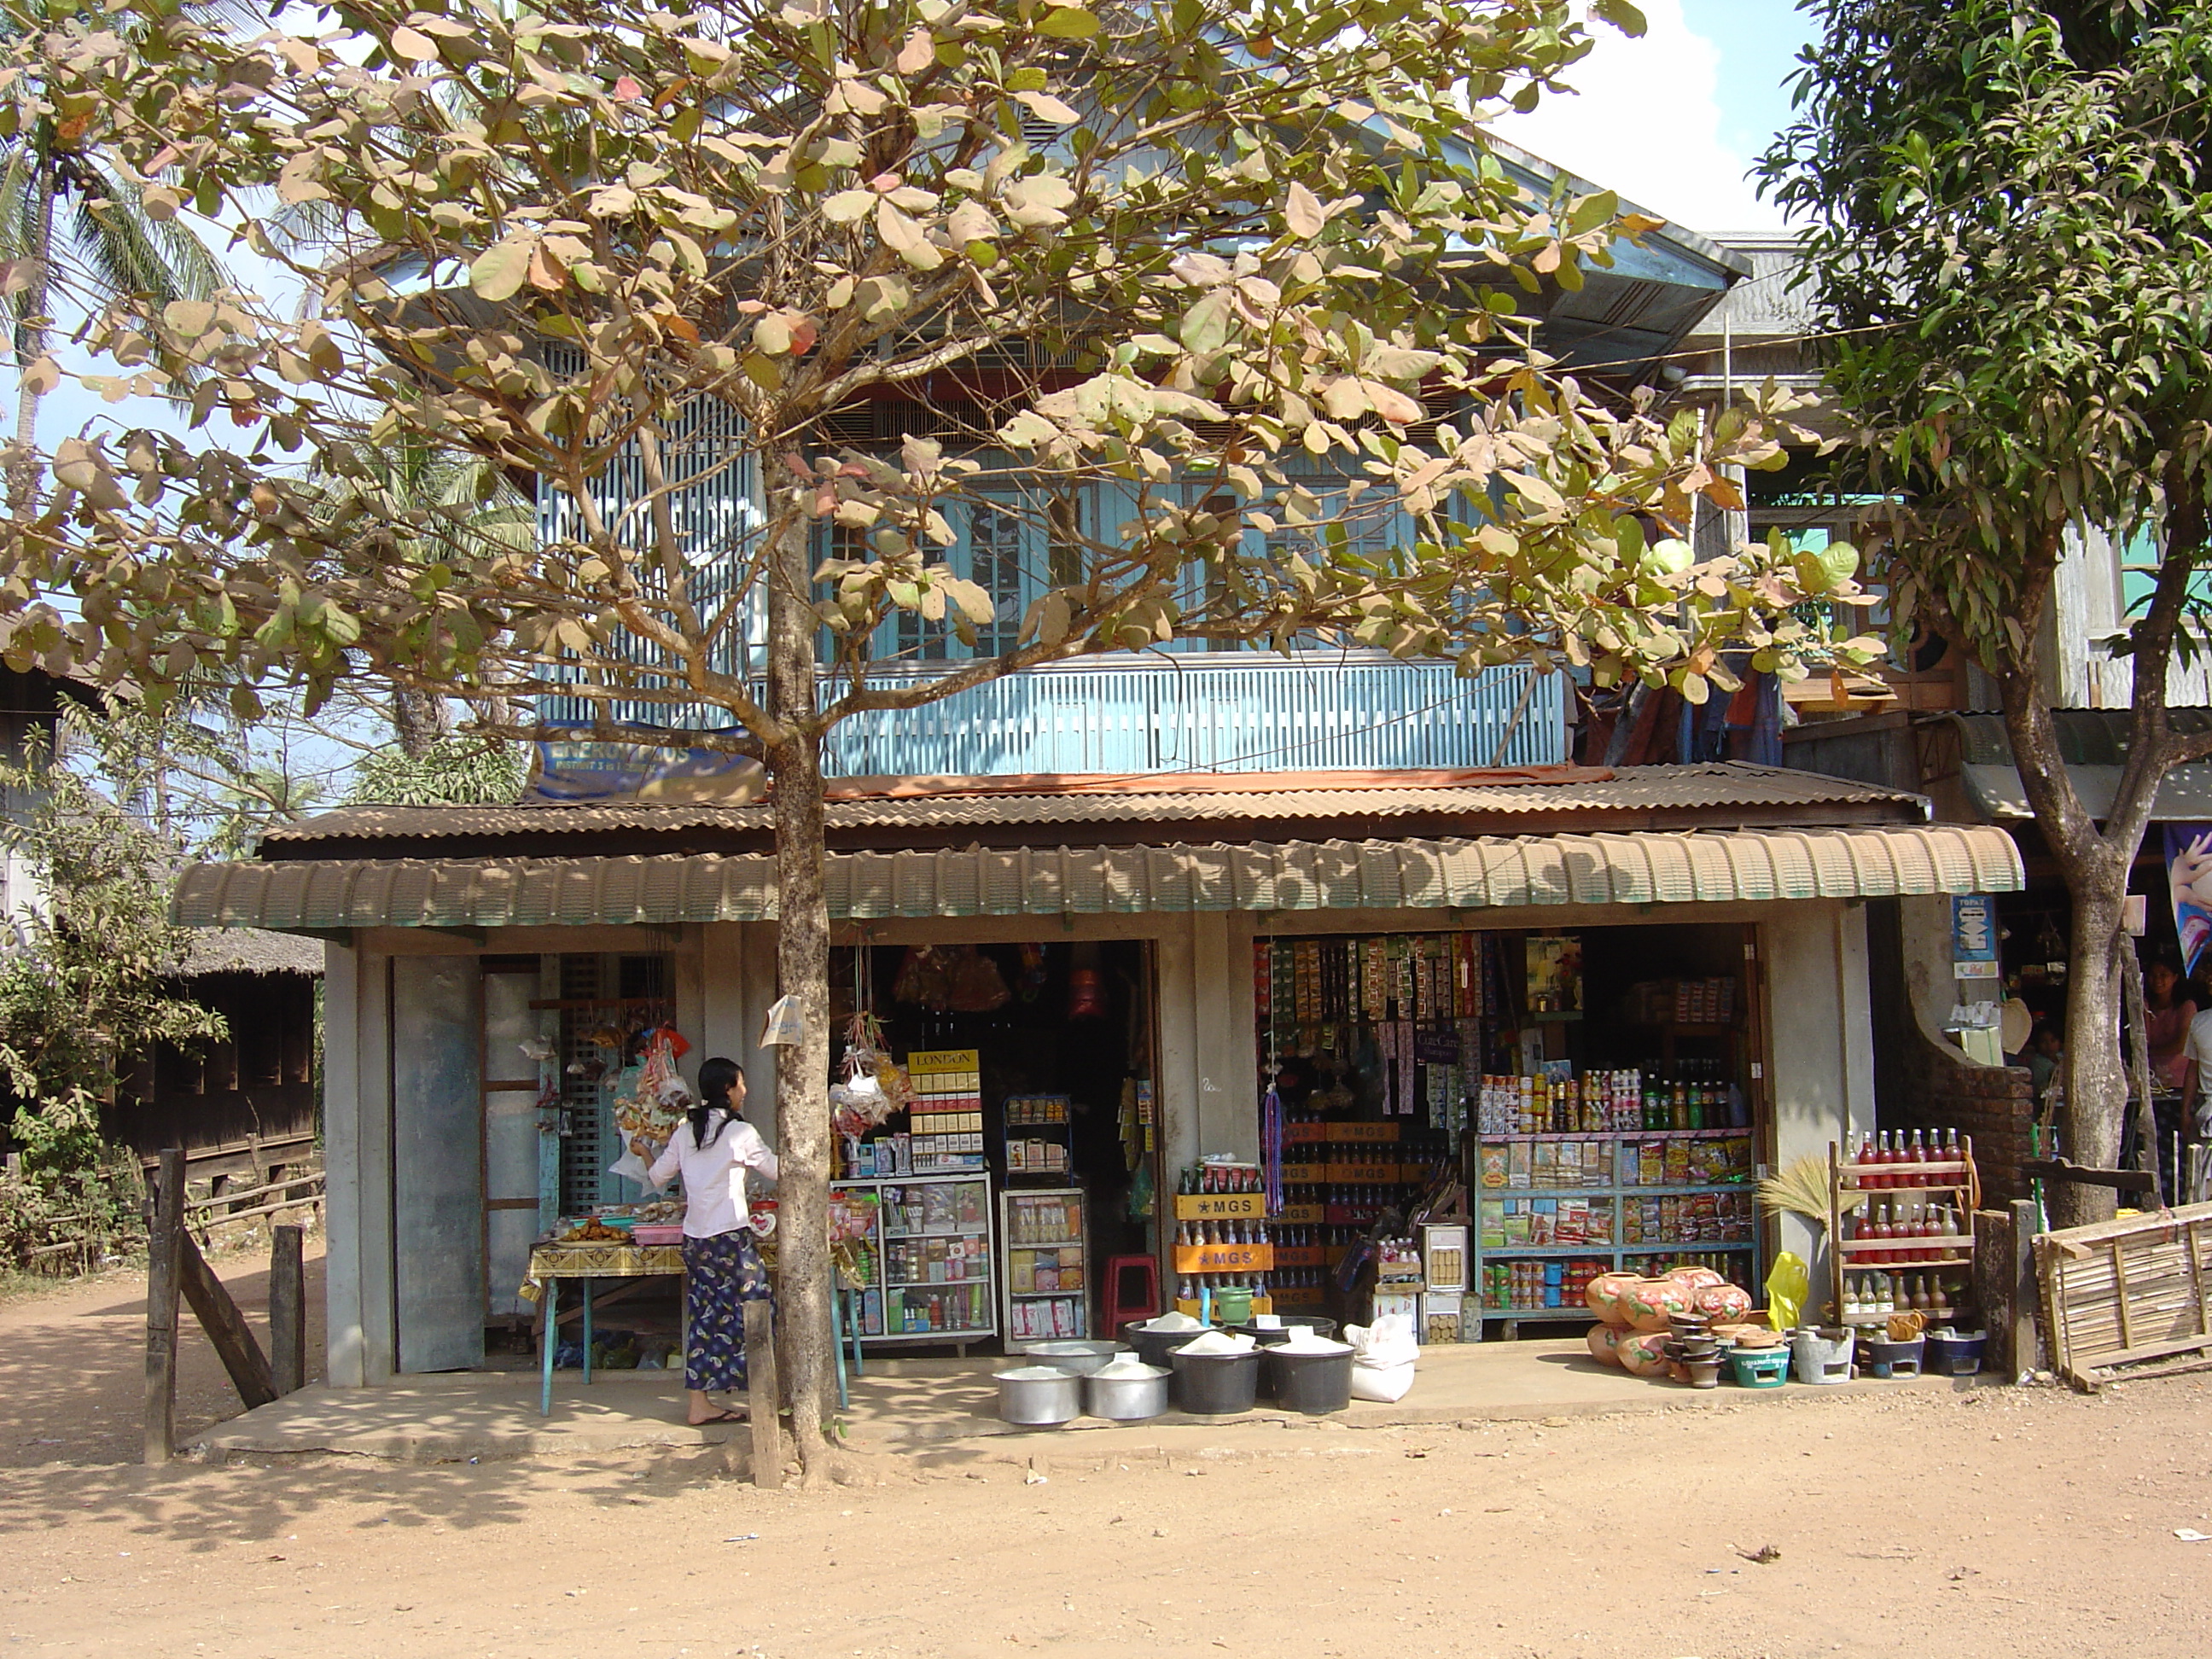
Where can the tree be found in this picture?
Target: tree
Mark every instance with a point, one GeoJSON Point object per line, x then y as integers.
{"type": "Point", "coordinates": [85, 975]}
{"type": "Point", "coordinates": [2009, 237]}
{"type": "Point", "coordinates": [1178, 284]}
{"type": "Point", "coordinates": [71, 226]}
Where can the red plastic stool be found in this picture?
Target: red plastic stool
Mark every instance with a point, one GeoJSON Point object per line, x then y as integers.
{"type": "Point", "coordinates": [1120, 1308]}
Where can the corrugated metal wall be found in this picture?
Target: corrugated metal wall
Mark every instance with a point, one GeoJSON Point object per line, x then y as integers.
{"type": "Point", "coordinates": [1231, 713]}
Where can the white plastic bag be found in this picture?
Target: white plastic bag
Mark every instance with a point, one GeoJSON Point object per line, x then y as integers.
{"type": "Point", "coordinates": [1382, 1358]}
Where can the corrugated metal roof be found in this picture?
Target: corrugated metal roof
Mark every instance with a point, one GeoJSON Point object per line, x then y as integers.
{"type": "Point", "coordinates": [1488, 872]}
{"type": "Point", "coordinates": [1716, 787]}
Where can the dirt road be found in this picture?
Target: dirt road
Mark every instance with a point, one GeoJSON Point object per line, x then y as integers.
{"type": "Point", "coordinates": [1994, 1521]}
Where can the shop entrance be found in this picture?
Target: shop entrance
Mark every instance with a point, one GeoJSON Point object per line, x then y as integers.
{"type": "Point", "coordinates": [1028, 1157]}
{"type": "Point", "coordinates": [1597, 1096]}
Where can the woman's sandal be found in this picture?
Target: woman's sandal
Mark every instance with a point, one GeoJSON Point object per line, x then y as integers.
{"type": "Point", "coordinates": [738, 1416]}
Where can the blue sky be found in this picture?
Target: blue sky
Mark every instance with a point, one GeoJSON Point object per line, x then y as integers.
{"type": "Point", "coordinates": [1672, 119]}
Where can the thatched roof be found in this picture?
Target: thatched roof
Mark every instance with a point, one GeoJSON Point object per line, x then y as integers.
{"type": "Point", "coordinates": [252, 951]}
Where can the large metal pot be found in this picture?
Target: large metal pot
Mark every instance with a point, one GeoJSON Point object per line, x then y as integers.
{"type": "Point", "coordinates": [1127, 1399]}
{"type": "Point", "coordinates": [1082, 1355]}
{"type": "Point", "coordinates": [1039, 1396]}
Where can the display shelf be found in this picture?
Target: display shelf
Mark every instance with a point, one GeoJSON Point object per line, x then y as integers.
{"type": "Point", "coordinates": [876, 1330]}
{"type": "Point", "coordinates": [1619, 1202]}
{"type": "Point", "coordinates": [1022, 1211]}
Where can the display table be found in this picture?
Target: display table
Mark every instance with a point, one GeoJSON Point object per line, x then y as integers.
{"type": "Point", "coordinates": [551, 1263]}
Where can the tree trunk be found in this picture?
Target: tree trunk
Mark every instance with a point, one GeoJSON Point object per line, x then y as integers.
{"type": "Point", "coordinates": [2095, 1077]}
{"type": "Point", "coordinates": [23, 472]}
{"type": "Point", "coordinates": [803, 975]}
{"type": "Point", "coordinates": [418, 720]}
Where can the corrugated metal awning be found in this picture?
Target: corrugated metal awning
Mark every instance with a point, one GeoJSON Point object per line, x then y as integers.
{"type": "Point", "coordinates": [2094, 744]}
{"type": "Point", "coordinates": [1487, 873]}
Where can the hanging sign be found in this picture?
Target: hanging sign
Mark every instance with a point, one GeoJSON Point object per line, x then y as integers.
{"type": "Point", "coordinates": [1974, 936]}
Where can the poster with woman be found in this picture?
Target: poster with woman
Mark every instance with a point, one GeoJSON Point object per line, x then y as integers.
{"type": "Point", "coordinates": [2189, 874]}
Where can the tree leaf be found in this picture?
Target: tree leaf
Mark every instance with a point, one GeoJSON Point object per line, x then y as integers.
{"type": "Point", "coordinates": [1067, 23]}
{"type": "Point", "coordinates": [501, 270]}
{"type": "Point", "coordinates": [1303, 213]}
{"type": "Point", "coordinates": [1046, 107]}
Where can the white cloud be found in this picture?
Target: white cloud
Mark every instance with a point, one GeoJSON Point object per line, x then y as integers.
{"type": "Point", "coordinates": [1646, 122]}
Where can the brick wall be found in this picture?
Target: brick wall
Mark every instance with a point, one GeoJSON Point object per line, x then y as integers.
{"type": "Point", "coordinates": [1993, 1104]}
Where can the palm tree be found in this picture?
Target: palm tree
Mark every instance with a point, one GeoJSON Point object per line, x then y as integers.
{"type": "Point", "coordinates": [74, 230]}
{"type": "Point", "coordinates": [410, 504]}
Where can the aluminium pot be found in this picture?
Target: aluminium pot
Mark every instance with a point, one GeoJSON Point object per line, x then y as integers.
{"type": "Point", "coordinates": [1127, 1399]}
{"type": "Point", "coordinates": [1039, 1396]}
{"type": "Point", "coordinates": [1082, 1355]}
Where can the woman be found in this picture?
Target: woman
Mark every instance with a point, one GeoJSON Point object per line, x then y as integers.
{"type": "Point", "coordinates": [722, 1269]}
{"type": "Point", "coordinates": [2168, 1009]}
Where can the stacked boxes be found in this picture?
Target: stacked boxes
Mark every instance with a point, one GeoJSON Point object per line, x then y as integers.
{"type": "Point", "coordinates": [945, 1110]}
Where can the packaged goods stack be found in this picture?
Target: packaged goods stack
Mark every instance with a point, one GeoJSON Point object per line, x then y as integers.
{"type": "Point", "coordinates": [1224, 1254]}
{"type": "Point", "coordinates": [1408, 1010]}
{"type": "Point", "coordinates": [1037, 1136]}
{"type": "Point", "coordinates": [945, 1110]}
{"type": "Point", "coordinates": [1443, 1281]}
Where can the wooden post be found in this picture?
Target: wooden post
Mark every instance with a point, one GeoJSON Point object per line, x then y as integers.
{"type": "Point", "coordinates": [288, 1309]}
{"type": "Point", "coordinates": [2027, 1296]}
{"type": "Point", "coordinates": [763, 1393]}
{"type": "Point", "coordinates": [226, 1327]}
{"type": "Point", "coordinates": [1994, 1286]}
{"type": "Point", "coordinates": [164, 1271]}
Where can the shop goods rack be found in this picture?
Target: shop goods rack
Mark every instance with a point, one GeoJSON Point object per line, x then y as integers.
{"type": "Point", "coordinates": [930, 1262]}
{"type": "Point", "coordinates": [1952, 1181]}
{"type": "Point", "coordinates": [1597, 1161]}
{"type": "Point", "coordinates": [1045, 1281]}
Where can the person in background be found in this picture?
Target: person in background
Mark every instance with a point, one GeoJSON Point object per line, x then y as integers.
{"type": "Point", "coordinates": [2168, 1009]}
{"type": "Point", "coordinates": [722, 1268]}
{"type": "Point", "coordinates": [2196, 1077]}
{"type": "Point", "coordinates": [2046, 1047]}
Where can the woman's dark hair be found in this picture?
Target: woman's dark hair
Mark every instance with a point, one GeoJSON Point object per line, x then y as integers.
{"type": "Point", "coordinates": [715, 1077]}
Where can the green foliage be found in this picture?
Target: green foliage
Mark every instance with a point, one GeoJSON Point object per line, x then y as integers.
{"type": "Point", "coordinates": [1245, 243]}
{"type": "Point", "coordinates": [2011, 235]}
{"type": "Point", "coordinates": [455, 771]}
{"type": "Point", "coordinates": [85, 984]}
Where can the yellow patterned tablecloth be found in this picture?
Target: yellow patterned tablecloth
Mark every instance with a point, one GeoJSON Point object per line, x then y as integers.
{"type": "Point", "coordinates": [598, 1261]}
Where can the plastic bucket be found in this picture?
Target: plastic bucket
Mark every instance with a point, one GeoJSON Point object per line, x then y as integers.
{"type": "Point", "coordinates": [1216, 1384]}
{"type": "Point", "coordinates": [1314, 1383]}
{"type": "Point", "coordinates": [1039, 1396]}
{"type": "Point", "coordinates": [1269, 1335]}
{"type": "Point", "coordinates": [1154, 1347]}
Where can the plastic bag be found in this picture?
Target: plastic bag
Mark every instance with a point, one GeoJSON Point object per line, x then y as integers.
{"type": "Point", "coordinates": [1788, 1284]}
{"type": "Point", "coordinates": [1382, 1358]}
{"type": "Point", "coordinates": [783, 1028]}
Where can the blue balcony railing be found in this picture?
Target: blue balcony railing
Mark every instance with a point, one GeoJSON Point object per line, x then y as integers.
{"type": "Point", "coordinates": [1219, 712]}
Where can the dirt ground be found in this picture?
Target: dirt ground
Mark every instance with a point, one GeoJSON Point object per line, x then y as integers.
{"type": "Point", "coordinates": [1986, 1521]}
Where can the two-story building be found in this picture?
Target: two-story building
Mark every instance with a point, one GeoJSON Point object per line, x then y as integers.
{"type": "Point", "coordinates": [1177, 905]}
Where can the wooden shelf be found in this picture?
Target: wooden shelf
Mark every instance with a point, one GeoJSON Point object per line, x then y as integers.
{"type": "Point", "coordinates": [1848, 1255]}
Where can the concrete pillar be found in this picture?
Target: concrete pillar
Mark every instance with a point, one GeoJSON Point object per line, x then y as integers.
{"type": "Point", "coordinates": [357, 1142]}
{"type": "Point", "coordinates": [1182, 1118]}
{"type": "Point", "coordinates": [1221, 990]}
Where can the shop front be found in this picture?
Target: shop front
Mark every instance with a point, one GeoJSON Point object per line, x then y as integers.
{"type": "Point", "coordinates": [1600, 1004]}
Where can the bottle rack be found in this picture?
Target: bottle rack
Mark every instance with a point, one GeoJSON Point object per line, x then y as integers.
{"type": "Point", "coordinates": [1932, 1181]}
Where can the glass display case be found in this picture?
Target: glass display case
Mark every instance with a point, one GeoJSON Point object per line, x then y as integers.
{"type": "Point", "coordinates": [1046, 1277]}
{"type": "Point", "coordinates": [928, 1264]}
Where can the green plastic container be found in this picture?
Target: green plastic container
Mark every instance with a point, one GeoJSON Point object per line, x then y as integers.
{"type": "Point", "coordinates": [1232, 1306]}
{"type": "Point", "coordinates": [1760, 1367]}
